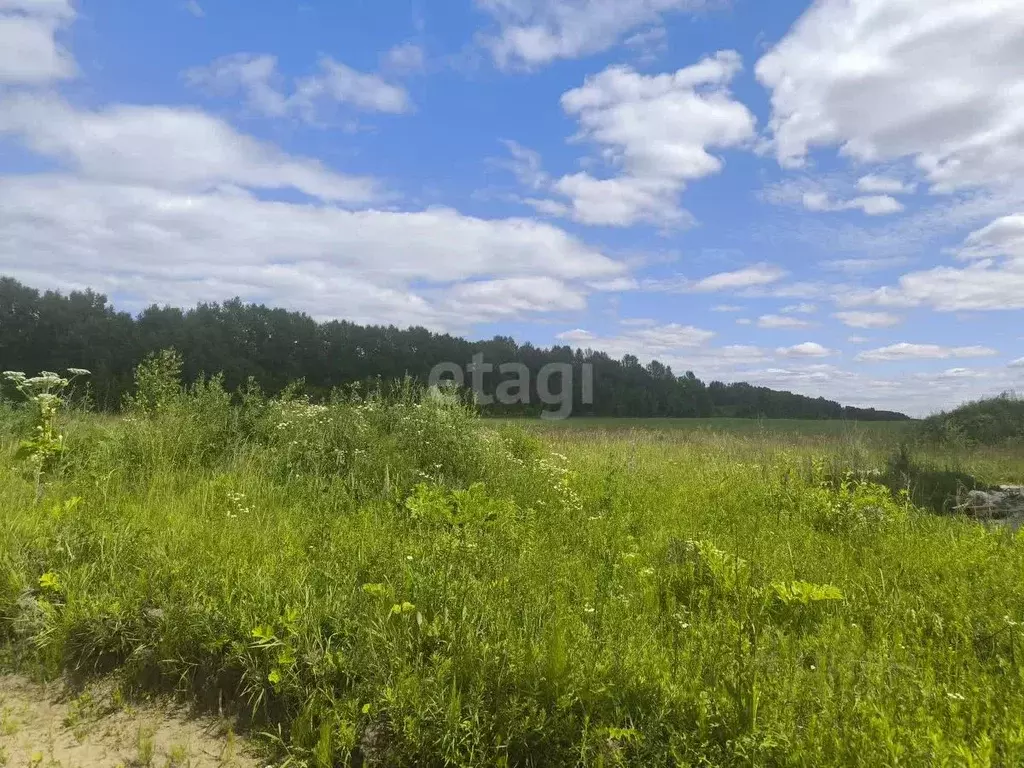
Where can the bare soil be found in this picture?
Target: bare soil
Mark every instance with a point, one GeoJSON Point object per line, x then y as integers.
{"type": "Point", "coordinates": [48, 726]}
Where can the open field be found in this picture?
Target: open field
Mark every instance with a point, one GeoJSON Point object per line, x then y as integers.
{"type": "Point", "coordinates": [833, 427]}
{"type": "Point", "coordinates": [404, 584]}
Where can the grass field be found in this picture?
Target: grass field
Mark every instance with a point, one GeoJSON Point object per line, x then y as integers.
{"type": "Point", "coordinates": [731, 426]}
{"type": "Point", "coordinates": [404, 584]}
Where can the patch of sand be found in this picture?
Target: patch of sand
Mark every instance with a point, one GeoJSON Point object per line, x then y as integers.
{"type": "Point", "coordinates": [46, 726]}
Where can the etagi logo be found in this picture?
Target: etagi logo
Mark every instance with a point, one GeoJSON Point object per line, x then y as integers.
{"type": "Point", "coordinates": [516, 387]}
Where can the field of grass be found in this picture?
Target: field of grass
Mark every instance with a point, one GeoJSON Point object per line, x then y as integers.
{"type": "Point", "coordinates": [401, 583]}
{"type": "Point", "coordinates": [834, 427]}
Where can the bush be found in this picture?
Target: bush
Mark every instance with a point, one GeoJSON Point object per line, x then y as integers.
{"type": "Point", "coordinates": [992, 421]}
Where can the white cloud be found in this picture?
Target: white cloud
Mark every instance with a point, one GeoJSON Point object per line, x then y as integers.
{"type": "Point", "coordinates": [664, 338]}
{"type": "Point", "coordinates": [993, 281]}
{"type": "Point", "coordinates": [1003, 237]}
{"type": "Point", "coordinates": [855, 319]}
{"type": "Point", "coordinates": [758, 274]}
{"type": "Point", "coordinates": [873, 205]}
{"type": "Point", "coordinates": [257, 78]}
{"type": "Point", "coordinates": [977, 287]}
{"type": "Point", "coordinates": [536, 32]}
{"type": "Point", "coordinates": [576, 336]}
{"type": "Point", "coordinates": [651, 340]}
{"type": "Point", "coordinates": [906, 351]}
{"type": "Point", "coordinates": [800, 309]}
{"type": "Point", "coordinates": [782, 322]}
{"type": "Point", "coordinates": [193, 7]}
{"type": "Point", "coordinates": [726, 308]}
{"type": "Point", "coordinates": [858, 339]}
{"type": "Point", "coordinates": [861, 266]}
{"type": "Point", "coordinates": [617, 202]}
{"type": "Point", "coordinates": [525, 164]}
{"type": "Point", "coordinates": [175, 148]}
{"type": "Point", "coordinates": [748, 277]}
{"type": "Point", "coordinates": [1018, 363]}
{"type": "Point", "coordinates": [807, 349]}
{"type": "Point", "coordinates": [648, 43]}
{"type": "Point", "coordinates": [884, 185]}
{"type": "Point", "coordinates": [405, 58]}
{"type": "Point", "coordinates": [681, 347]}
{"type": "Point", "coordinates": [514, 296]}
{"type": "Point", "coordinates": [29, 52]}
{"type": "Point", "coordinates": [339, 82]}
{"type": "Point", "coordinates": [150, 245]}
{"type": "Point", "coordinates": [829, 194]}
{"type": "Point", "coordinates": [615, 284]}
{"type": "Point", "coordinates": [656, 131]}
{"type": "Point", "coordinates": [940, 83]}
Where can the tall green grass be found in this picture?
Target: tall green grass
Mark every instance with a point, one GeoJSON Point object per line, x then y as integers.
{"type": "Point", "coordinates": [392, 581]}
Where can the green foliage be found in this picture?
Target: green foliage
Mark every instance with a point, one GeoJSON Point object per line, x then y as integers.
{"type": "Point", "coordinates": [992, 421]}
{"type": "Point", "coordinates": [45, 446]}
{"type": "Point", "coordinates": [274, 348]}
{"type": "Point", "coordinates": [157, 384]}
{"type": "Point", "coordinates": [387, 579]}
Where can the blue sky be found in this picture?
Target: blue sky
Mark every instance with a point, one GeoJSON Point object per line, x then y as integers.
{"type": "Point", "coordinates": [818, 197]}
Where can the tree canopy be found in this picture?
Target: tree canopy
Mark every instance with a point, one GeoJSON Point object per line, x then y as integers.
{"type": "Point", "coordinates": [51, 331]}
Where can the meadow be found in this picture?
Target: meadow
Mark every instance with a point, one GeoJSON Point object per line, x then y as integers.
{"type": "Point", "coordinates": [392, 581]}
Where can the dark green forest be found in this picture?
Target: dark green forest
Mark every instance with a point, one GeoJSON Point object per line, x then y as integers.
{"type": "Point", "coordinates": [42, 331]}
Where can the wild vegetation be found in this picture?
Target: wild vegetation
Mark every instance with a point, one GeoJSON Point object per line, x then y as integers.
{"type": "Point", "coordinates": [276, 347]}
{"type": "Point", "coordinates": [387, 579]}
{"type": "Point", "coordinates": [992, 421]}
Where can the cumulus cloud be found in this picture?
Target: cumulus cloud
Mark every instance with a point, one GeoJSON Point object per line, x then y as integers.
{"type": "Point", "coordinates": [873, 205]}
{"type": "Point", "coordinates": [514, 296]}
{"type": "Point", "coordinates": [169, 147]}
{"type": "Point", "coordinates": [646, 342]}
{"type": "Point", "coordinates": [994, 280]}
{"type": "Point", "coordinates": [786, 322]}
{"type": "Point", "coordinates": [536, 32]}
{"type": "Point", "coordinates": [829, 194]}
{"type": "Point", "coordinates": [683, 348]}
{"type": "Point", "coordinates": [941, 84]}
{"type": "Point", "coordinates": [906, 351]}
{"type": "Point", "coordinates": [1018, 363]}
{"type": "Point", "coordinates": [257, 79]}
{"type": "Point", "coordinates": [29, 51]}
{"type": "Point", "coordinates": [656, 132]}
{"type": "Point", "coordinates": [855, 319]}
{"type": "Point", "coordinates": [57, 229]}
{"type": "Point", "coordinates": [807, 349]}
{"type": "Point", "coordinates": [884, 185]}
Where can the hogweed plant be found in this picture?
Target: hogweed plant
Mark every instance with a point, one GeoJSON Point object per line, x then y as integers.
{"type": "Point", "coordinates": [44, 392]}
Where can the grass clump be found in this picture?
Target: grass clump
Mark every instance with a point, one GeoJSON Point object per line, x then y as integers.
{"type": "Point", "coordinates": [389, 580]}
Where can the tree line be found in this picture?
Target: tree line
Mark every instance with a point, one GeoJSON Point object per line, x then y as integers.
{"type": "Point", "coordinates": [275, 347]}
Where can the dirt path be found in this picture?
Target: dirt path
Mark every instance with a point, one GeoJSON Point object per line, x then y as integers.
{"type": "Point", "coordinates": [48, 727]}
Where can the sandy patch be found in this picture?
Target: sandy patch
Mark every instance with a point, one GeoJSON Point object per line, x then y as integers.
{"type": "Point", "coordinates": [46, 726]}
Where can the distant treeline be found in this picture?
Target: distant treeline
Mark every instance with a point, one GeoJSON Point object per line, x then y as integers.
{"type": "Point", "coordinates": [52, 331]}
